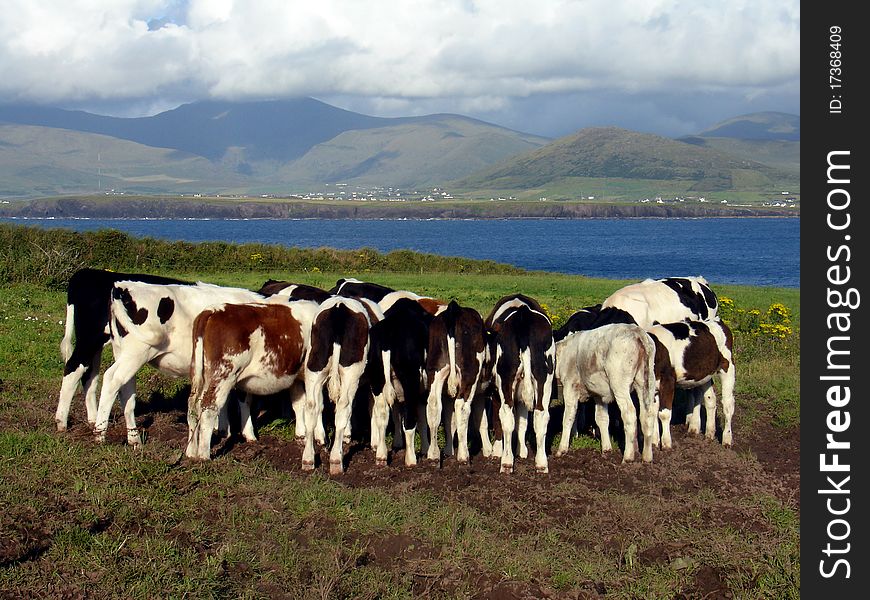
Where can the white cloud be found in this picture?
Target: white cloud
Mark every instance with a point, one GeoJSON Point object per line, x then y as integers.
{"type": "Point", "coordinates": [481, 56]}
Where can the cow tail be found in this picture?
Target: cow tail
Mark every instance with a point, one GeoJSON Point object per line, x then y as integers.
{"type": "Point", "coordinates": [649, 378]}
{"type": "Point", "coordinates": [334, 385]}
{"type": "Point", "coordinates": [453, 377]}
{"type": "Point", "coordinates": [66, 345]}
{"type": "Point", "coordinates": [528, 385]}
{"type": "Point", "coordinates": [389, 391]}
{"type": "Point", "coordinates": [197, 365]}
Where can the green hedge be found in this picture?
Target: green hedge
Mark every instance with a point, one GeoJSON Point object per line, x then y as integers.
{"type": "Point", "coordinates": [50, 256]}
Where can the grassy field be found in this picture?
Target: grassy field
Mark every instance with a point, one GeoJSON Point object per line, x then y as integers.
{"type": "Point", "coordinates": [81, 520]}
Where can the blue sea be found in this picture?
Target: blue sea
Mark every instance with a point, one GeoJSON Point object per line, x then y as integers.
{"type": "Point", "coordinates": [746, 251]}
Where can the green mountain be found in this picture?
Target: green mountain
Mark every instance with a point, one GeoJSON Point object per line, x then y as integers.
{"type": "Point", "coordinates": [613, 153]}
{"type": "Point", "coordinates": [241, 148]}
{"type": "Point", "coordinates": [758, 126]}
{"type": "Point", "coordinates": [770, 138]}
{"type": "Point", "coordinates": [426, 153]}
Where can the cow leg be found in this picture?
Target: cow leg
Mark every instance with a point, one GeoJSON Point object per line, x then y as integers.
{"type": "Point", "coordinates": [297, 402]}
{"type": "Point", "coordinates": [349, 377]}
{"type": "Point", "coordinates": [398, 438]}
{"type": "Point", "coordinates": [116, 376]}
{"type": "Point", "coordinates": [506, 416]}
{"type": "Point", "coordinates": [568, 418]}
{"type": "Point", "coordinates": [629, 421]}
{"type": "Point", "coordinates": [602, 421]}
{"type": "Point", "coordinates": [245, 417]}
{"type": "Point", "coordinates": [449, 427]}
{"type": "Point", "coordinates": [313, 413]}
{"type": "Point", "coordinates": [462, 410]}
{"type": "Point", "coordinates": [728, 403]}
{"type": "Point", "coordinates": [478, 415]}
{"type": "Point", "coordinates": [72, 375]}
{"type": "Point", "coordinates": [89, 387]}
{"type": "Point", "coordinates": [380, 420]}
{"type": "Point", "coordinates": [694, 418]}
{"type": "Point", "coordinates": [409, 425]}
{"type": "Point", "coordinates": [433, 412]}
{"type": "Point", "coordinates": [127, 399]}
{"type": "Point", "coordinates": [710, 410]}
{"type": "Point", "coordinates": [423, 428]}
{"type": "Point", "coordinates": [498, 432]}
{"type": "Point", "coordinates": [522, 427]}
{"type": "Point", "coordinates": [542, 419]}
{"type": "Point", "coordinates": [665, 420]}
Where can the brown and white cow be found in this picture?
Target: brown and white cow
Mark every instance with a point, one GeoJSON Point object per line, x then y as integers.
{"type": "Point", "coordinates": [698, 350]}
{"type": "Point", "coordinates": [337, 358]}
{"type": "Point", "coordinates": [256, 348]}
{"type": "Point", "coordinates": [455, 364]}
{"type": "Point", "coordinates": [608, 363]}
{"type": "Point", "coordinates": [520, 358]}
{"type": "Point", "coordinates": [152, 324]}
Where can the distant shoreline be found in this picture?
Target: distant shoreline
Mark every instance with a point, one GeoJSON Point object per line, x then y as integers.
{"type": "Point", "coordinates": [141, 207]}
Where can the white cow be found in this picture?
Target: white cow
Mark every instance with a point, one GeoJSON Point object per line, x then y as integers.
{"type": "Point", "coordinates": [607, 363]}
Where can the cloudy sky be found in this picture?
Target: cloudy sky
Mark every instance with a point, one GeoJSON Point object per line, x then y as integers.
{"type": "Point", "coordinates": [550, 67]}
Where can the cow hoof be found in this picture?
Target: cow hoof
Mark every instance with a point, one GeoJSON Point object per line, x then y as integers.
{"type": "Point", "coordinates": [336, 468]}
{"type": "Point", "coordinates": [307, 465]}
{"type": "Point", "coordinates": [560, 452]}
{"type": "Point", "coordinates": [542, 469]}
{"type": "Point", "coordinates": [507, 469]}
{"type": "Point", "coordinates": [60, 426]}
{"type": "Point", "coordinates": [462, 461]}
{"type": "Point", "coordinates": [100, 437]}
{"type": "Point", "coordinates": [381, 462]}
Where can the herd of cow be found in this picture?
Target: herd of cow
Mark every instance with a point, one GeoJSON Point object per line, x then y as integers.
{"type": "Point", "coordinates": [422, 360]}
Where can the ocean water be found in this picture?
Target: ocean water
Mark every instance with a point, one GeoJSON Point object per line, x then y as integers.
{"type": "Point", "coordinates": [746, 251]}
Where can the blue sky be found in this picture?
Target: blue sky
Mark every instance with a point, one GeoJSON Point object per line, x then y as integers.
{"type": "Point", "coordinates": [552, 67]}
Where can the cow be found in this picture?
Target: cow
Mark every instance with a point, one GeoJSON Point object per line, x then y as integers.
{"type": "Point", "coordinates": [256, 348]}
{"type": "Point", "coordinates": [153, 324]}
{"type": "Point", "coordinates": [666, 300]}
{"type": "Point", "coordinates": [431, 305]}
{"type": "Point", "coordinates": [397, 375]}
{"type": "Point", "coordinates": [455, 365]}
{"type": "Point", "coordinates": [521, 356]}
{"type": "Point", "coordinates": [592, 317]}
{"type": "Point", "coordinates": [354, 288]}
{"type": "Point", "coordinates": [87, 318]}
{"type": "Point", "coordinates": [298, 291]}
{"type": "Point", "coordinates": [698, 350]}
{"type": "Point", "coordinates": [608, 363]}
{"type": "Point", "coordinates": [337, 358]}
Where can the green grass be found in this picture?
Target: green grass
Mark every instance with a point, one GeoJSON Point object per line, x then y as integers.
{"type": "Point", "coordinates": [108, 521]}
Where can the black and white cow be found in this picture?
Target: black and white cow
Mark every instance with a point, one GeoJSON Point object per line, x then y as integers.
{"type": "Point", "coordinates": [666, 300]}
{"type": "Point", "coordinates": [521, 356]}
{"type": "Point", "coordinates": [257, 348]}
{"type": "Point", "coordinates": [337, 358]}
{"type": "Point", "coordinates": [354, 288]}
{"type": "Point", "coordinates": [397, 375]}
{"type": "Point", "coordinates": [153, 324]}
{"type": "Point", "coordinates": [698, 350]}
{"type": "Point", "coordinates": [608, 363]}
{"type": "Point", "coordinates": [299, 291]}
{"type": "Point", "coordinates": [87, 318]}
{"type": "Point", "coordinates": [455, 365]}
